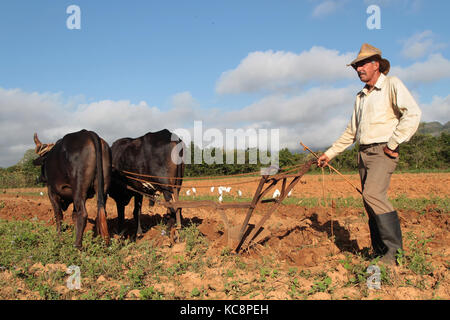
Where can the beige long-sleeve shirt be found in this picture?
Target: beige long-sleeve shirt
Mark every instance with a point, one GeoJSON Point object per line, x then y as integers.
{"type": "Point", "coordinates": [388, 113]}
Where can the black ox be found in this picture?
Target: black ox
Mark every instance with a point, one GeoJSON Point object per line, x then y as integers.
{"type": "Point", "coordinates": [76, 168]}
{"type": "Point", "coordinates": [156, 154]}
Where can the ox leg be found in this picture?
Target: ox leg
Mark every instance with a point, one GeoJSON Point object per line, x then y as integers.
{"type": "Point", "coordinates": [55, 201]}
{"type": "Point", "coordinates": [120, 218]}
{"type": "Point", "coordinates": [74, 216]}
{"type": "Point", "coordinates": [178, 211]}
{"type": "Point", "coordinates": [137, 214]}
{"type": "Point", "coordinates": [178, 215]}
{"type": "Point", "coordinates": [81, 214]}
{"type": "Point", "coordinates": [168, 196]}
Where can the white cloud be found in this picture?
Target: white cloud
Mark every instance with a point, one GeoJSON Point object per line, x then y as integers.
{"type": "Point", "coordinates": [184, 100]}
{"type": "Point", "coordinates": [22, 114]}
{"type": "Point", "coordinates": [312, 106]}
{"type": "Point", "coordinates": [318, 135]}
{"type": "Point", "coordinates": [325, 8]}
{"type": "Point", "coordinates": [317, 117]}
{"type": "Point", "coordinates": [420, 44]}
{"type": "Point", "coordinates": [328, 7]}
{"type": "Point", "coordinates": [280, 70]}
{"type": "Point", "coordinates": [311, 116]}
{"type": "Point", "coordinates": [435, 68]}
{"type": "Point", "coordinates": [437, 110]}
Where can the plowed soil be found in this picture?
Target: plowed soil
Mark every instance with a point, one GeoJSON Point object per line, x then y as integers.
{"type": "Point", "coordinates": [309, 239]}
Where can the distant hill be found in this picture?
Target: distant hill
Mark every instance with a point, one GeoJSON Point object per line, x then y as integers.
{"type": "Point", "coordinates": [27, 158]}
{"type": "Point", "coordinates": [434, 128]}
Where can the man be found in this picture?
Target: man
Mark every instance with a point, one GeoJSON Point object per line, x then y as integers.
{"type": "Point", "coordinates": [385, 115]}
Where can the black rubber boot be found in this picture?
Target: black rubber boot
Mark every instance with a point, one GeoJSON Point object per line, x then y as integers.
{"type": "Point", "coordinates": [379, 249]}
{"type": "Point", "coordinates": [390, 234]}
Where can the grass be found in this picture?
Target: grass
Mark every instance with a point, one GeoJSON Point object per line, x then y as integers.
{"type": "Point", "coordinates": [402, 202]}
{"type": "Point", "coordinates": [422, 205]}
{"type": "Point", "coordinates": [322, 284]}
{"type": "Point", "coordinates": [417, 258]}
{"type": "Point", "coordinates": [25, 244]}
{"type": "Point", "coordinates": [28, 247]}
{"type": "Point", "coordinates": [358, 274]}
{"type": "Point", "coordinates": [122, 270]}
{"type": "Point", "coordinates": [143, 270]}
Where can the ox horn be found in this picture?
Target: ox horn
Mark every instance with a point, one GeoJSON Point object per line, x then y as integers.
{"type": "Point", "coordinates": [42, 148]}
{"type": "Point", "coordinates": [37, 142]}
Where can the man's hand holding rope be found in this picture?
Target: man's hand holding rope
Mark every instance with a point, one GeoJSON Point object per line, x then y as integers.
{"type": "Point", "coordinates": [322, 161]}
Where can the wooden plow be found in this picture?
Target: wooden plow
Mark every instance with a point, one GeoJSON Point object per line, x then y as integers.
{"type": "Point", "coordinates": [244, 235]}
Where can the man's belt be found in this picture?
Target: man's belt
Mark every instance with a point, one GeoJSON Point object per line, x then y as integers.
{"type": "Point", "coordinates": [363, 147]}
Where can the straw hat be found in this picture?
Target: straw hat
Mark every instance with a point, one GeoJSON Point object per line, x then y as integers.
{"type": "Point", "coordinates": [368, 51]}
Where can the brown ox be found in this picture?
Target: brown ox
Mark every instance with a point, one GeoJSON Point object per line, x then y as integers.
{"type": "Point", "coordinates": [152, 154]}
{"type": "Point", "coordinates": [76, 168]}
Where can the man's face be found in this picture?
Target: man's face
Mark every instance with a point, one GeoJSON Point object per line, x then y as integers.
{"type": "Point", "coordinates": [367, 69]}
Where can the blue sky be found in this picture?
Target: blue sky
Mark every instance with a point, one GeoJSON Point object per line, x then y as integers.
{"type": "Point", "coordinates": [139, 66]}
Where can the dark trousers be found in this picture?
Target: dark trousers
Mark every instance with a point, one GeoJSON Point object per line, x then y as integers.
{"type": "Point", "coordinates": [375, 170]}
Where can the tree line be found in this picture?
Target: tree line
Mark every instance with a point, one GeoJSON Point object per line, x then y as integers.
{"type": "Point", "coordinates": [423, 152]}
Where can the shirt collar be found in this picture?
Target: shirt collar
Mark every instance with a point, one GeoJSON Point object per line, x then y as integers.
{"type": "Point", "coordinates": [377, 85]}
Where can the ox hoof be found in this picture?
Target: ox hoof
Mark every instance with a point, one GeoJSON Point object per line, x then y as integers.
{"type": "Point", "coordinates": [174, 236]}
{"type": "Point", "coordinates": [121, 233]}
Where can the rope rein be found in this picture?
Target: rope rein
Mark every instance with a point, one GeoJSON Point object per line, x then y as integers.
{"type": "Point", "coordinates": [43, 149]}
{"type": "Point", "coordinates": [289, 169]}
{"type": "Point", "coordinates": [187, 186]}
{"type": "Point", "coordinates": [333, 204]}
{"type": "Point", "coordinates": [129, 175]}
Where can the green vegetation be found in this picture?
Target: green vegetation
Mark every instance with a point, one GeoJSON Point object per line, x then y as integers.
{"type": "Point", "coordinates": [23, 174]}
{"type": "Point", "coordinates": [421, 205]}
{"type": "Point", "coordinates": [357, 271]}
{"type": "Point", "coordinates": [417, 260]}
{"type": "Point", "coordinates": [424, 152]}
{"type": "Point", "coordinates": [29, 247]}
{"type": "Point", "coordinates": [35, 259]}
{"type": "Point", "coordinates": [434, 128]}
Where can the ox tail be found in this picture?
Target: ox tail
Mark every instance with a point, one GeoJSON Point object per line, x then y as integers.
{"type": "Point", "coordinates": [180, 168]}
{"type": "Point", "coordinates": [101, 222]}
{"type": "Point", "coordinates": [179, 181]}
